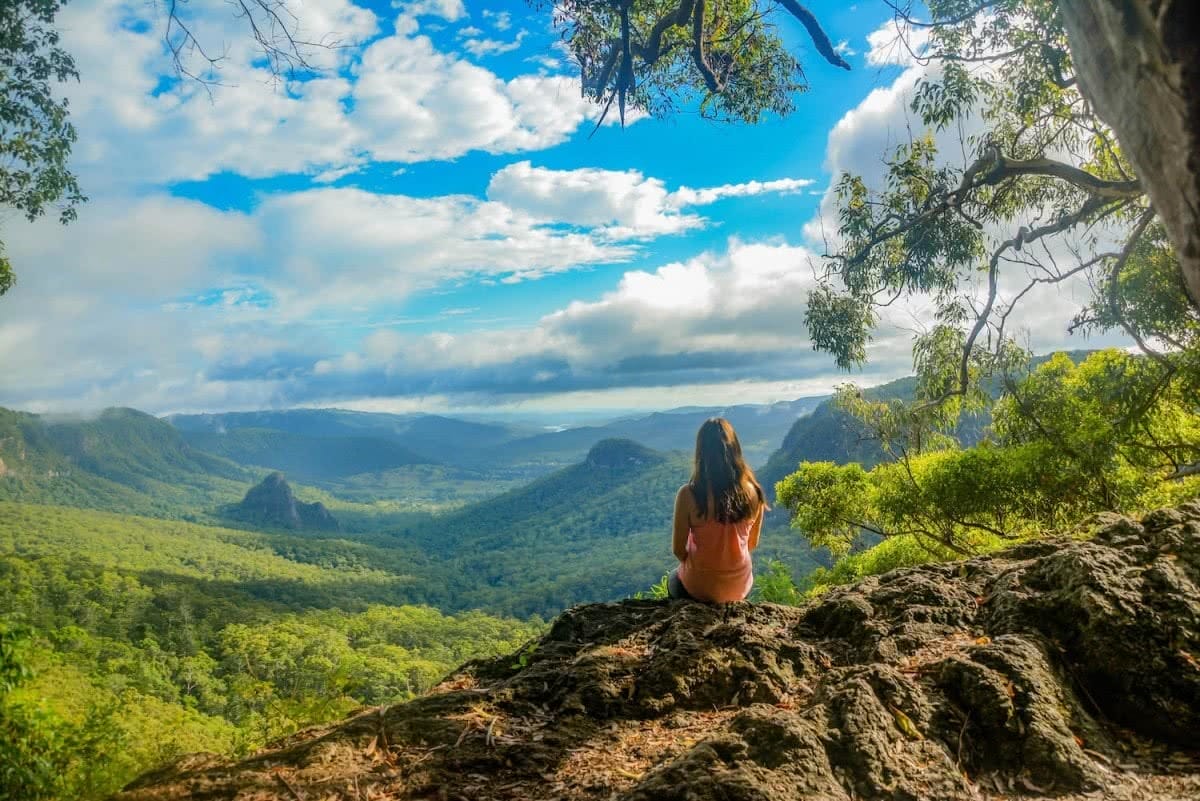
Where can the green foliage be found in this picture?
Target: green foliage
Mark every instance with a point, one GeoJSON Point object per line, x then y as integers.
{"type": "Point", "coordinates": [776, 586]}
{"type": "Point", "coordinates": [35, 133]}
{"type": "Point", "coordinates": [658, 591]}
{"type": "Point", "coordinates": [523, 656]}
{"type": "Point", "coordinates": [1045, 177]}
{"type": "Point", "coordinates": [1108, 420]}
{"type": "Point", "coordinates": [1068, 440]}
{"type": "Point", "coordinates": [831, 503]}
{"type": "Point", "coordinates": [7, 278]}
{"type": "Point", "coordinates": [746, 70]}
{"type": "Point", "coordinates": [41, 755]}
{"type": "Point", "coordinates": [156, 638]}
{"type": "Point", "coordinates": [890, 554]}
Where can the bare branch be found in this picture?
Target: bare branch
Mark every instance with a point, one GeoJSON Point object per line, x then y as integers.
{"type": "Point", "coordinates": [819, 37]}
{"type": "Point", "coordinates": [273, 26]}
{"type": "Point", "coordinates": [1185, 471]}
{"type": "Point", "coordinates": [1114, 303]}
{"type": "Point", "coordinates": [904, 15]}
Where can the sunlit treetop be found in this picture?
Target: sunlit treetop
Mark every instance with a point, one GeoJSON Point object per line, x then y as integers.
{"type": "Point", "coordinates": [725, 56]}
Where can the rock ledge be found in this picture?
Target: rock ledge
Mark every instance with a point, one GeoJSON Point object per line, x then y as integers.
{"type": "Point", "coordinates": [1058, 668]}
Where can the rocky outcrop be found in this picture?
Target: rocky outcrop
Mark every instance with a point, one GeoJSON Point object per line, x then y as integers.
{"type": "Point", "coordinates": [272, 504]}
{"type": "Point", "coordinates": [1061, 668]}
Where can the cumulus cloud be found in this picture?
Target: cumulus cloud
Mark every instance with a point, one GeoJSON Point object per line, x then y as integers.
{"type": "Point", "coordinates": [625, 203]}
{"type": "Point", "coordinates": [896, 44]}
{"type": "Point", "coordinates": [363, 248]}
{"type": "Point", "coordinates": [393, 97]}
{"type": "Point", "coordinates": [493, 47]}
{"type": "Point", "coordinates": [500, 20]}
{"type": "Point", "coordinates": [686, 196]}
{"type": "Point", "coordinates": [719, 317]}
{"type": "Point", "coordinates": [449, 10]}
{"type": "Point", "coordinates": [727, 316]}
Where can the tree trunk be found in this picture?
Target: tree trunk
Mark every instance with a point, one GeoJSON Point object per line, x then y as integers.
{"type": "Point", "coordinates": [1138, 63]}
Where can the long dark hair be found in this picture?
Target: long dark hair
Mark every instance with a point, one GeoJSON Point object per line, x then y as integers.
{"type": "Point", "coordinates": [721, 478]}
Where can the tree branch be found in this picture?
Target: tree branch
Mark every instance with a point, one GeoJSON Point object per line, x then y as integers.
{"type": "Point", "coordinates": [1114, 281]}
{"type": "Point", "coordinates": [1184, 472]}
{"type": "Point", "coordinates": [819, 37]}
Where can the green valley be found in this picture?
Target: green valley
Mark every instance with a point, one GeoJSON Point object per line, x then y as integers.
{"type": "Point", "coordinates": [157, 638]}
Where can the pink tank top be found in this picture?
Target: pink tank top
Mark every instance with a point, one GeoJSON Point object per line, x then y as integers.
{"type": "Point", "coordinates": [718, 568]}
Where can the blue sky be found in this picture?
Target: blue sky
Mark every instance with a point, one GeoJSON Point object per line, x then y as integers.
{"type": "Point", "coordinates": [430, 224]}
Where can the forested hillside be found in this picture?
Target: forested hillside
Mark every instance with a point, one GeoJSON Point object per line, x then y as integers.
{"type": "Point", "coordinates": [151, 639]}
{"type": "Point", "coordinates": [120, 460]}
{"type": "Point", "coordinates": [596, 530]}
{"type": "Point", "coordinates": [599, 529]}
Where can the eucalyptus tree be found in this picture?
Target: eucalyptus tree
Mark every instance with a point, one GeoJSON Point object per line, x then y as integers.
{"type": "Point", "coordinates": [1039, 192]}
{"type": "Point", "coordinates": [727, 58]}
{"type": "Point", "coordinates": [35, 130]}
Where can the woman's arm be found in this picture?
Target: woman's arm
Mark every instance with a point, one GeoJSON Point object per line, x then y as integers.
{"type": "Point", "coordinates": [756, 528]}
{"type": "Point", "coordinates": [681, 524]}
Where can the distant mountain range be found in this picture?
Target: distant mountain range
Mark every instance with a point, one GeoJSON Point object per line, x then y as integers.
{"type": "Point", "coordinates": [328, 446]}
{"type": "Point", "coordinates": [760, 428]}
{"type": "Point", "coordinates": [547, 519]}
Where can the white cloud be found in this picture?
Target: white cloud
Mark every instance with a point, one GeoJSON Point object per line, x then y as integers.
{"type": "Point", "coordinates": [402, 99]}
{"type": "Point", "coordinates": [687, 196]}
{"type": "Point", "coordinates": [364, 248]}
{"type": "Point", "coordinates": [625, 203]}
{"type": "Point", "coordinates": [501, 20]}
{"type": "Point", "coordinates": [544, 61]}
{"type": "Point", "coordinates": [449, 10]}
{"type": "Point", "coordinates": [892, 43]}
{"type": "Point", "coordinates": [493, 47]}
{"type": "Point", "coordinates": [736, 314]}
{"type": "Point", "coordinates": [624, 200]}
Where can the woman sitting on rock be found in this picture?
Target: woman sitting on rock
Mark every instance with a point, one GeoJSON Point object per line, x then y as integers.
{"type": "Point", "coordinates": [718, 517]}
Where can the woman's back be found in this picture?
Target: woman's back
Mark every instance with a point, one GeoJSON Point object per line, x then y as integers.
{"type": "Point", "coordinates": [718, 565]}
{"type": "Point", "coordinates": [718, 517]}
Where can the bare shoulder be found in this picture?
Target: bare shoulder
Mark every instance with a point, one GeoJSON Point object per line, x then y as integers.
{"type": "Point", "coordinates": [685, 501]}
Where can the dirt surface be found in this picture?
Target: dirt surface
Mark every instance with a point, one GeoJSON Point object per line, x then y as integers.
{"type": "Point", "coordinates": [1066, 669]}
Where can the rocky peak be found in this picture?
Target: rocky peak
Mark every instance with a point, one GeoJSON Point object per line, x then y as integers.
{"type": "Point", "coordinates": [1059, 668]}
{"type": "Point", "coordinates": [272, 503]}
